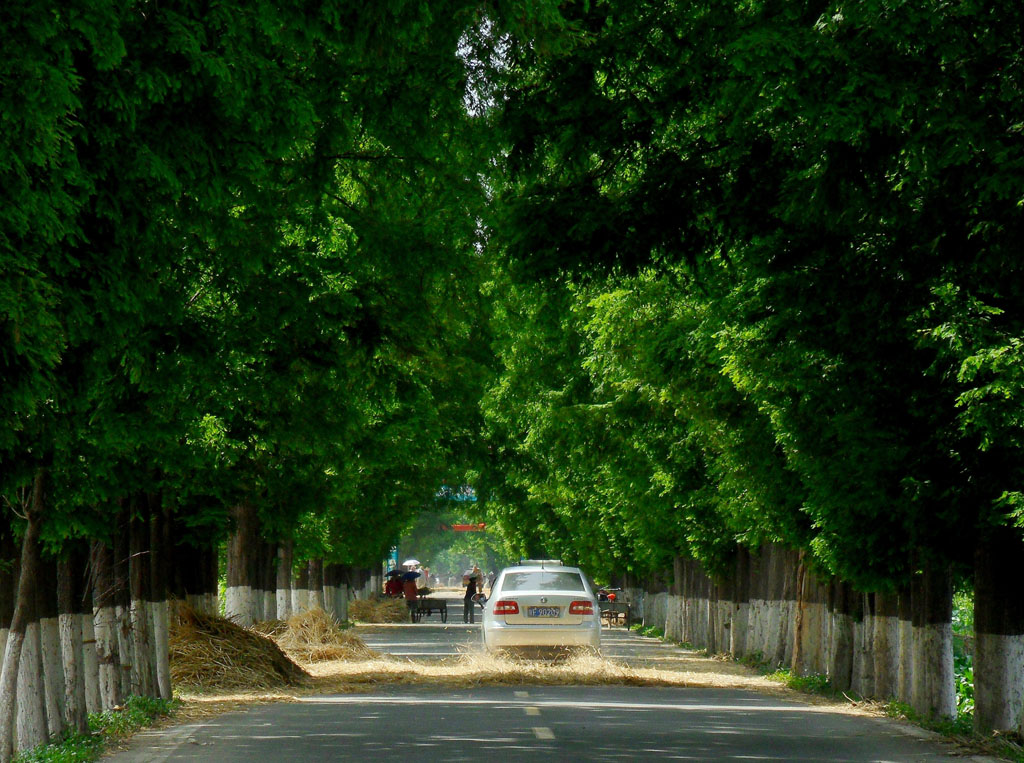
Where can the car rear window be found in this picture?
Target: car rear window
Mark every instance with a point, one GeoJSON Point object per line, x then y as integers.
{"type": "Point", "coordinates": [542, 581]}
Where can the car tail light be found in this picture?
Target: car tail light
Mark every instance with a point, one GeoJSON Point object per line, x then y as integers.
{"type": "Point", "coordinates": [581, 608]}
{"type": "Point", "coordinates": [506, 607]}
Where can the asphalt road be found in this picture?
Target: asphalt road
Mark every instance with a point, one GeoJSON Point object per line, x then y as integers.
{"type": "Point", "coordinates": [602, 723]}
{"type": "Point", "coordinates": [434, 640]}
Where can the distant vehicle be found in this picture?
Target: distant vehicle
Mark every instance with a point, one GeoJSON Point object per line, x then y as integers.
{"type": "Point", "coordinates": [541, 606]}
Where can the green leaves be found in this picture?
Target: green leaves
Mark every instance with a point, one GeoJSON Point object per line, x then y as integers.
{"type": "Point", "coordinates": [818, 332]}
{"type": "Point", "coordinates": [231, 241]}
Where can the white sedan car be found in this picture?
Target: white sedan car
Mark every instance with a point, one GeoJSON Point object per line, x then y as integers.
{"type": "Point", "coordinates": [541, 606]}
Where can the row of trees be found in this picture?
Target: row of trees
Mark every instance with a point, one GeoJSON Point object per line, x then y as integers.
{"type": "Point", "coordinates": [757, 279]}
{"type": "Point", "coordinates": [748, 273]}
{"type": "Point", "coordinates": [236, 293]}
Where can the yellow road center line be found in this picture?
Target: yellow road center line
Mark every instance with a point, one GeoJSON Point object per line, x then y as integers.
{"type": "Point", "coordinates": [532, 710]}
{"type": "Point", "coordinates": [521, 693]}
{"type": "Point", "coordinates": [542, 732]}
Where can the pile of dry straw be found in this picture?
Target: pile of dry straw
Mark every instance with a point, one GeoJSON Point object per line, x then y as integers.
{"type": "Point", "coordinates": [209, 652]}
{"type": "Point", "coordinates": [315, 636]}
{"type": "Point", "coordinates": [378, 610]}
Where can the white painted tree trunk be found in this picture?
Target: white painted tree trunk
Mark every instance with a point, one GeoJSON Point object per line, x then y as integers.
{"type": "Point", "coordinates": [316, 584]}
{"type": "Point", "coordinates": [775, 646]}
{"type": "Point", "coordinates": [1001, 695]}
{"type": "Point", "coordinates": [998, 633]}
{"type": "Point", "coordinates": [161, 647]}
{"type": "Point", "coordinates": [723, 617]}
{"type": "Point", "coordinates": [811, 649]}
{"type": "Point", "coordinates": [71, 648]}
{"type": "Point", "coordinates": [240, 604]}
{"type": "Point", "coordinates": [90, 665]}
{"type": "Point", "coordinates": [14, 642]}
{"type": "Point", "coordinates": [341, 608]}
{"type": "Point", "coordinates": [886, 655]}
{"type": "Point", "coordinates": [31, 728]}
{"type": "Point", "coordinates": [284, 580]}
{"type": "Point", "coordinates": [708, 609]}
{"type": "Point", "coordinates": [125, 649]}
{"type": "Point", "coordinates": [905, 672]}
{"type": "Point", "coordinates": [330, 600]}
{"type": "Point", "coordinates": [674, 618]}
{"type": "Point", "coordinates": [71, 597]}
{"type": "Point", "coordinates": [108, 656]}
{"type": "Point", "coordinates": [756, 628]}
{"type": "Point", "coordinates": [842, 649]}
{"type": "Point", "coordinates": [655, 614]}
{"type": "Point", "coordinates": [934, 694]}
{"type": "Point", "coordinates": [284, 603]}
{"type": "Point", "coordinates": [300, 600]}
{"type": "Point", "coordinates": [863, 654]}
{"type": "Point", "coordinates": [316, 598]}
{"type": "Point", "coordinates": [787, 617]}
{"type": "Point", "coordinates": [739, 629]}
{"type": "Point", "coordinates": [51, 659]}
{"type": "Point", "coordinates": [144, 662]}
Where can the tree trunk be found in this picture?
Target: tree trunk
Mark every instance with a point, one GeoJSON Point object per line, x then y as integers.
{"type": "Point", "coordinates": [108, 653]}
{"type": "Point", "coordinates": [243, 550]}
{"type": "Point", "coordinates": [143, 655]}
{"type": "Point", "coordinates": [123, 601]}
{"type": "Point", "coordinates": [90, 662]}
{"type": "Point", "coordinates": [8, 580]}
{"type": "Point", "coordinates": [740, 604]}
{"type": "Point", "coordinates": [772, 604]}
{"type": "Point", "coordinates": [341, 608]}
{"type": "Point", "coordinates": [21, 619]}
{"type": "Point", "coordinates": [300, 593]}
{"type": "Point", "coordinates": [30, 725]}
{"type": "Point", "coordinates": [330, 590]}
{"type": "Point", "coordinates": [268, 580]}
{"type": "Point", "coordinates": [211, 572]}
{"type": "Point", "coordinates": [999, 632]}
{"type": "Point", "coordinates": [284, 580]}
{"type": "Point", "coordinates": [159, 577]}
{"type": "Point", "coordinates": [756, 621]}
{"type": "Point", "coordinates": [934, 694]}
{"type": "Point", "coordinates": [784, 585]}
{"type": "Point", "coordinates": [316, 583]}
{"type": "Point", "coordinates": [70, 583]}
{"type": "Point", "coordinates": [863, 640]}
{"type": "Point", "coordinates": [886, 643]}
{"type": "Point", "coordinates": [841, 664]}
{"type": "Point", "coordinates": [799, 618]}
{"type": "Point", "coordinates": [905, 671]}
{"type": "Point", "coordinates": [709, 615]}
{"type": "Point", "coordinates": [50, 652]}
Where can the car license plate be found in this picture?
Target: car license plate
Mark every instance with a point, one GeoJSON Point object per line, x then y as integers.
{"type": "Point", "coordinates": [543, 611]}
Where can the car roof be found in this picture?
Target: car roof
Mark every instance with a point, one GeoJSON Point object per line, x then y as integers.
{"type": "Point", "coordinates": [541, 568]}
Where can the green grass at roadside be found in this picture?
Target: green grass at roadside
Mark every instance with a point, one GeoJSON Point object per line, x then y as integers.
{"type": "Point", "coordinates": [648, 630]}
{"type": "Point", "coordinates": [815, 683]}
{"type": "Point", "coordinates": [104, 728]}
{"type": "Point", "coordinates": [651, 631]}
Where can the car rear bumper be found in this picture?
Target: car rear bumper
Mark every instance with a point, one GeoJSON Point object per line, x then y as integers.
{"type": "Point", "coordinates": [500, 636]}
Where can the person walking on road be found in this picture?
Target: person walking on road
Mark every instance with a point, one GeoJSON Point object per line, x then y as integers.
{"type": "Point", "coordinates": [472, 589]}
